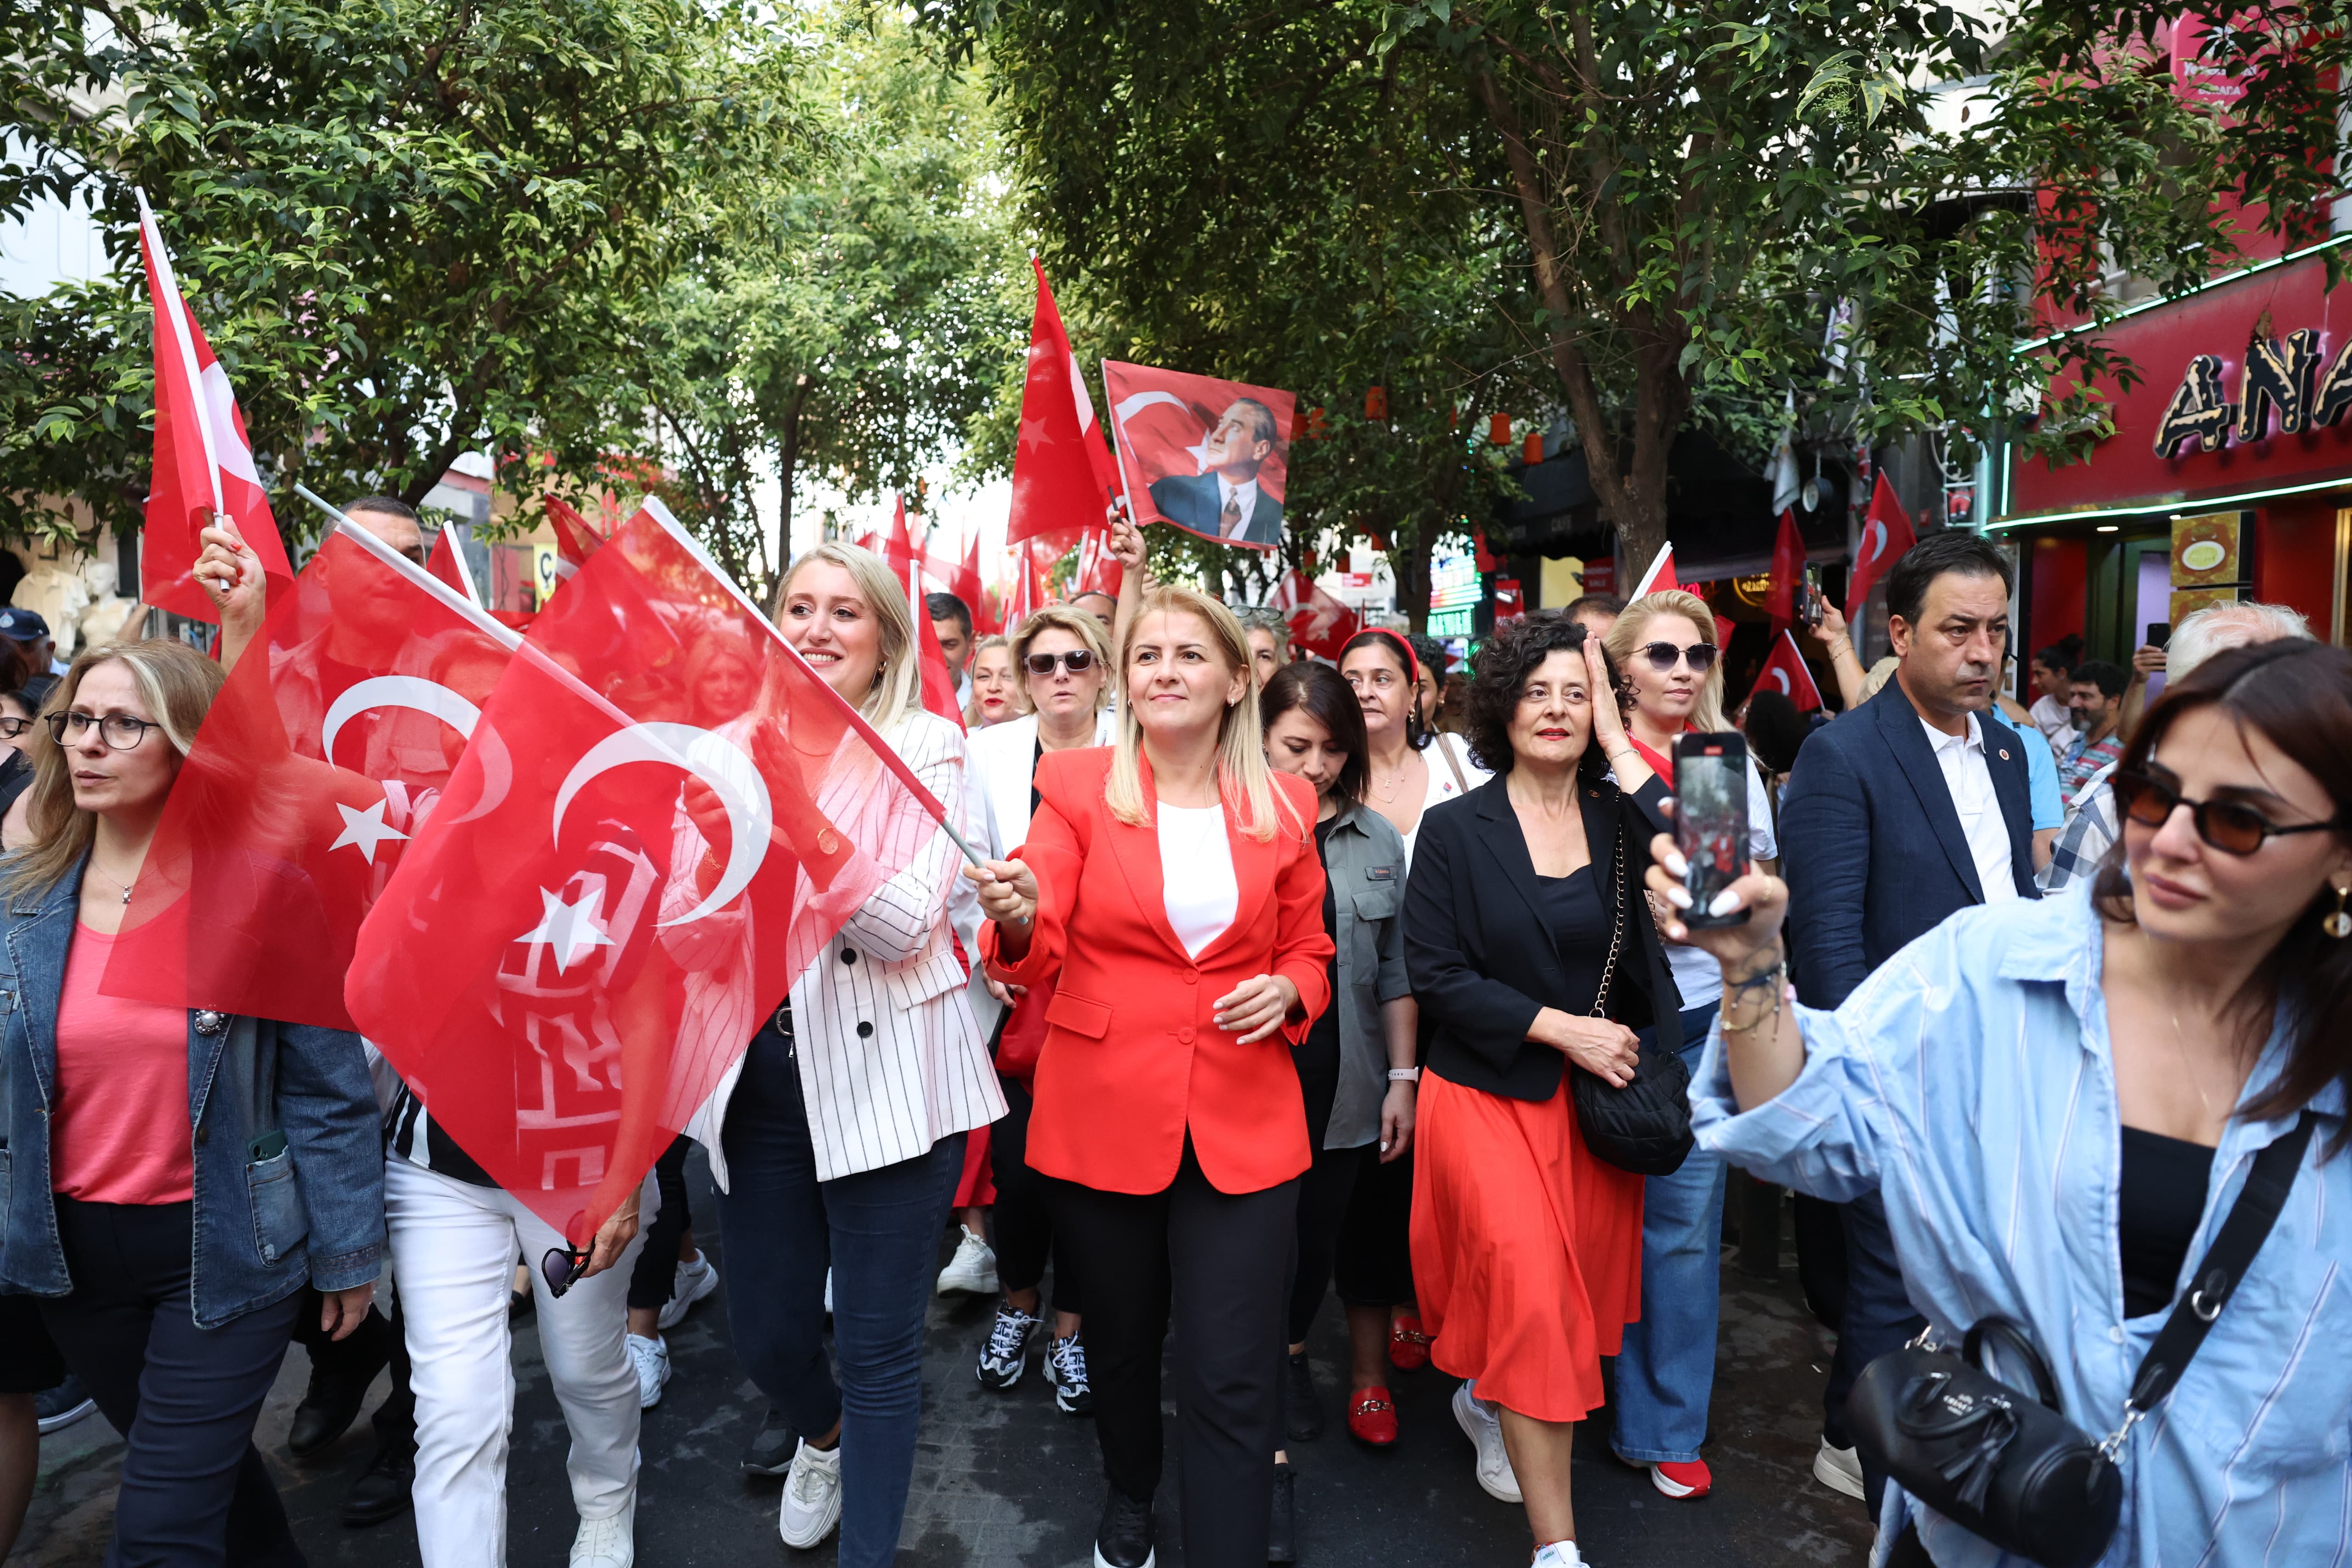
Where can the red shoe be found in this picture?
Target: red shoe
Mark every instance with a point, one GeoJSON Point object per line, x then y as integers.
{"type": "Point", "coordinates": [1683, 1480]}
{"type": "Point", "coordinates": [1408, 1346]}
{"type": "Point", "coordinates": [1371, 1417]}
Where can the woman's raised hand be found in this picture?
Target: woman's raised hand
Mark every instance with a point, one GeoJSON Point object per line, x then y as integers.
{"type": "Point", "coordinates": [1608, 718]}
{"type": "Point", "coordinates": [1008, 891]}
{"type": "Point", "coordinates": [1126, 539]}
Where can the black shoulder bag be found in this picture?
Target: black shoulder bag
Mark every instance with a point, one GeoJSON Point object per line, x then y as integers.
{"type": "Point", "coordinates": [2014, 1469]}
{"type": "Point", "coordinates": [1644, 1126]}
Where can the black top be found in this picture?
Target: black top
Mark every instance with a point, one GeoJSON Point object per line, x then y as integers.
{"type": "Point", "coordinates": [1480, 944]}
{"type": "Point", "coordinates": [1580, 928]}
{"type": "Point", "coordinates": [2164, 1181]}
{"type": "Point", "coordinates": [1321, 1046]}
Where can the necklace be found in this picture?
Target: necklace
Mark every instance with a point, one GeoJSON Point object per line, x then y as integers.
{"type": "Point", "coordinates": [116, 880]}
{"type": "Point", "coordinates": [1396, 782]}
{"type": "Point", "coordinates": [2180, 1040]}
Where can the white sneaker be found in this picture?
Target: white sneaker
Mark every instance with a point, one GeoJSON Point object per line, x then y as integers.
{"type": "Point", "coordinates": [607, 1542]}
{"type": "Point", "coordinates": [1484, 1428]}
{"type": "Point", "coordinates": [1840, 1469]}
{"type": "Point", "coordinates": [650, 1357]}
{"type": "Point", "coordinates": [973, 1269]}
{"type": "Point", "coordinates": [811, 1497]}
{"type": "Point", "coordinates": [1559, 1555]}
{"type": "Point", "coordinates": [692, 1283]}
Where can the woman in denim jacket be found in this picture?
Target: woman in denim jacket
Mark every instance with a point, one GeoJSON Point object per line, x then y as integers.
{"type": "Point", "coordinates": [171, 1179]}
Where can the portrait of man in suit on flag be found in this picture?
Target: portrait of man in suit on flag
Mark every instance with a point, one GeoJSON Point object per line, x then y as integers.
{"type": "Point", "coordinates": [1206, 455]}
{"type": "Point", "coordinates": [1227, 502]}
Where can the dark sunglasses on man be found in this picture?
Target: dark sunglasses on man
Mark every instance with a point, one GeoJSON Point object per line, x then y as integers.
{"type": "Point", "coordinates": [562, 1267]}
{"type": "Point", "coordinates": [2227, 825]}
{"type": "Point", "coordinates": [1663, 655]}
{"type": "Point", "coordinates": [1077, 659]}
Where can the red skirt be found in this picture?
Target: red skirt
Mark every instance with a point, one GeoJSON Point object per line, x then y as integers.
{"type": "Point", "coordinates": [1527, 1248]}
{"type": "Point", "coordinates": [976, 1188]}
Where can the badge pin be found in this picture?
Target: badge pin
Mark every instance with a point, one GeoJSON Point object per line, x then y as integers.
{"type": "Point", "coordinates": [2004, 753]}
{"type": "Point", "coordinates": [211, 1023]}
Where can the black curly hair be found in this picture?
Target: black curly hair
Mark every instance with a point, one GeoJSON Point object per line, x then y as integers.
{"type": "Point", "coordinates": [1499, 673]}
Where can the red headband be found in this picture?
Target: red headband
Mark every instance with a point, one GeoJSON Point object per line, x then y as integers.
{"type": "Point", "coordinates": [1412, 664]}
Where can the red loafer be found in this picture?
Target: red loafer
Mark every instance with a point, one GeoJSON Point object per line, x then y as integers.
{"type": "Point", "coordinates": [1408, 1346]}
{"type": "Point", "coordinates": [1691, 1480]}
{"type": "Point", "coordinates": [1371, 1417]}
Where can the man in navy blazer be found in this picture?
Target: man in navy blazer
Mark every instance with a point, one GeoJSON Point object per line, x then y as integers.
{"type": "Point", "coordinates": [1909, 809]}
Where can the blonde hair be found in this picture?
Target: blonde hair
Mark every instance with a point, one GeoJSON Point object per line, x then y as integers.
{"type": "Point", "coordinates": [1079, 625]}
{"type": "Point", "coordinates": [1880, 674]}
{"type": "Point", "coordinates": [1624, 638]}
{"type": "Point", "coordinates": [1244, 780]}
{"type": "Point", "coordinates": [897, 688]}
{"type": "Point", "coordinates": [971, 671]}
{"type": "Point", "coordinates": [176, 683]}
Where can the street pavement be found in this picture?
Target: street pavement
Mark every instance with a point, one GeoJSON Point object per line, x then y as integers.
{"type": "Point", "coordinates": [1003, 1479]}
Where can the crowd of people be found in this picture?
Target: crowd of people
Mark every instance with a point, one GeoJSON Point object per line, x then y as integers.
{"type": "Point", "coordinates": [1272, 977]}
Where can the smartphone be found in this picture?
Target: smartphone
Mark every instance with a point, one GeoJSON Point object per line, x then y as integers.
{"type": "Point", "coordinates": [2159, 633]}
{"type": "Point", "coordinates": [1809, 597]}
{"type": "Point", "coordinates": [1711, 820]}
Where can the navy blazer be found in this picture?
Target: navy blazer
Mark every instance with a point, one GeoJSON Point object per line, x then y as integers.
{"type": "Point", "coordinates": [1478, 946]}
{"type": "Point", "coordinates": [1871, 843]}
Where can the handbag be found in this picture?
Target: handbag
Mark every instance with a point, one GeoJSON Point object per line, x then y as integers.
{"type": "Point", "coordinates": [2011, 1469]}
{"type": "Point", "coordinates": [1645, 1126]}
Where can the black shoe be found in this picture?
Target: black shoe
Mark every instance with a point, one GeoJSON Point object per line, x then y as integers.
{"type": "Point", "coordinates": [63, 1405]}
{"type": "Point", "coordinates": [328, 1407]}
{"type": "Point", "coordinates": [1282, 1537]}
{"type": "Point", "coordinates": [770, 1453]}
{"type": "Point", "coordinates": [1123, 1540]}
{"type": "Point", "coordinates": [1306, 1419]}
{"type": "Point", "coordinates": [382, 1491]}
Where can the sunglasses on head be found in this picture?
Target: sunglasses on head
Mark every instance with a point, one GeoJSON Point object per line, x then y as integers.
{"type": "Point", "coordinates": [562, 1268]}
{"type": "Point", "coordinates": [1663, 655]}
{"type": "Point", "coordinates": [1077, 659]}
{"type": "Point", "coordinates": [2231, 828]}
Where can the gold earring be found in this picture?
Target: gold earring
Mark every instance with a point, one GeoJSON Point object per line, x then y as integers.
{"type": "Point", "coordinates": [2339, 924]}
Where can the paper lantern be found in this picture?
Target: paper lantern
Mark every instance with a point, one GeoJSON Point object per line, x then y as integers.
{"type": "Point", "coordinates": [1498, 430]}
{"type": "Point", "coordinates": [1376, 402]}
{"type": "Point", "coordinates": [1317, 426]}
{"type": "Point", "coordinates": [1531, 450]}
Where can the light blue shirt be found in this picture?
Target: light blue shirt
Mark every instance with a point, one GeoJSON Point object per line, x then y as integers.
{"type": "Point", "coordinates": [2046, 805]}
{"type": "Point", "coordinates": [1970, 1081]}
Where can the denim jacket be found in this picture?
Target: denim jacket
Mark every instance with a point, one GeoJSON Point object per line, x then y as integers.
{"type": "Point", "coordinates": [313, 1212]}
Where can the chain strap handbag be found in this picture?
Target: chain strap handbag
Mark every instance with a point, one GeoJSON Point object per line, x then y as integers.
{"type": "Point", "coordinates": [1644, 1126]}
{"type": "Point", "coordinates": [2011, 1468]}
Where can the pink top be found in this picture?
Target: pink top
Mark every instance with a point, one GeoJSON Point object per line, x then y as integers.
{"type": "Point", "coordinates": [119, 1133]}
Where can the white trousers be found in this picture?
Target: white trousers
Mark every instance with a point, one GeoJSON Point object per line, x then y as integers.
{"type": "Point", "coordinates": [454, 1248]}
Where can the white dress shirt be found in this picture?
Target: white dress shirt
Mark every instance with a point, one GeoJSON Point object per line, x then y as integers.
{"type": "Point", "coordinates": [1970, 780]}
{"type": "Point", "coordinates": [1243, 495]}
{"type": "Point", "coordinates": [1196, 874]}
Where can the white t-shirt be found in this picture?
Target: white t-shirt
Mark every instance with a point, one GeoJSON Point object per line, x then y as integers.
{"type": "Point", "coordinates": [1196, 874]}
{"type": "Point", "coordinates": [1698, 974]}
{"type": "Point", "coordinates": [1970, 780]}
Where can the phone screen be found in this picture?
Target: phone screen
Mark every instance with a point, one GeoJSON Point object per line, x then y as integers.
{"type": "Point", "coordinates": [1711, 820]}
{"type": "Point", "coordinates": [1809, 597]}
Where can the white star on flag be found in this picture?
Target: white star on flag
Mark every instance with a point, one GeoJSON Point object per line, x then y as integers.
{"type": "Point", "coordinates": [363, 830]}
{"type": "Point", "coordinates": [570, 930]}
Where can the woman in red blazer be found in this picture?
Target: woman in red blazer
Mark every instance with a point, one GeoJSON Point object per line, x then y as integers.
{"type": "Point", "coordinates": [1168, 1113]}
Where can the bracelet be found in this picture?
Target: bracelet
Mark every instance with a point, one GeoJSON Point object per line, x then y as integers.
{"type": "Point", "coordinates": [1764, 1016]}
{"type": "Point", "coordinates": [1404, 1075]}
{"type": "Point", "coordinates": [1773, 976]}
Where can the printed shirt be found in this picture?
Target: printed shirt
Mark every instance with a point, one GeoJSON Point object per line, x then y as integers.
{"type": "Point", "coordinates": [2086, 758]}
{"type": "Point", "coordinates": [2090, 832]}
{"type": "Point", "coordinates": [1970, 1081]}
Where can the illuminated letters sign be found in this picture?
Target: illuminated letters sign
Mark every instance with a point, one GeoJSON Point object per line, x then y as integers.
{"type": "Point", "coordinates": [2280, 382]}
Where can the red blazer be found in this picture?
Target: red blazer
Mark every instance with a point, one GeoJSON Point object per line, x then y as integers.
{"type": "Point", "coordinates": [1132, 1057]}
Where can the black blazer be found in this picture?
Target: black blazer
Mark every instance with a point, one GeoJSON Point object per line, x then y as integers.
{"type": "Point", "coordinates": [1480, 953]}
{"type": "Point", "coordinates": [1872, 845]}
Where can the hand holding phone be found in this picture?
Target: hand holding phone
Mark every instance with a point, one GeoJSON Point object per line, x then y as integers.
{"type": "Point", "coordinates": [1711, 821]}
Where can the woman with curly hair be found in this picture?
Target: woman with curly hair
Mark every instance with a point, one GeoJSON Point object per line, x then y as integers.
{"type": "Point", "coordinates": [1531, 951]}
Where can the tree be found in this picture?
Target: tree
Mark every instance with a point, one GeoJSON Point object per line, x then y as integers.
{"type": "Point", "coordinates": [412, 228]}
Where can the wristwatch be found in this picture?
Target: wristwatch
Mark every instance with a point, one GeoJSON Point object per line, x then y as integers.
{"type": "Point", "coordinates": [1404, 1075]}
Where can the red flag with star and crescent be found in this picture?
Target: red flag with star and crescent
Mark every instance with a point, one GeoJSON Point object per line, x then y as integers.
{"type": "Point", "coordinates": [580, 943]}
{"type": "Point", "coordinates": [1886, 534]}
{"type": "Point", "coordinates": [329, 743]}
{"type": "Point", "coordinates": [1785, 672]}
{"type": "Point", "coordinates": [1063, 476]}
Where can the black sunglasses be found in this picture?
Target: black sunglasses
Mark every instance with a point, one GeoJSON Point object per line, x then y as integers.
{"type": "Point", "coordinates": [2231, 828]}
{"type": "Point", "coordinates": [1661, 656]}
{"type": "Point", "coordinates": [1078, 659]}
{"type": "Point", "coordinates": [562, 1268]}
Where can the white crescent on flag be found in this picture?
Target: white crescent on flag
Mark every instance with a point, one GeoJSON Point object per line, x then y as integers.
{"type": "Point", "coordinates": [1128, 408]}
{"type": "Point", "coordinates": [396, 691]}
{"type": "Point", "coordinates": [1873, 541]}
{"type": "Point", "coordinates": [709, 757]}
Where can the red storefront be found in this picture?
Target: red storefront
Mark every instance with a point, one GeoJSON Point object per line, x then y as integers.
{"type": "Point", "coordinates": [2229, 474]}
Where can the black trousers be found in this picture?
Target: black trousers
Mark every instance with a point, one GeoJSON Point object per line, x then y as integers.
{"type": "Point", "coordinates": [656, 1275]}
{"type": "Point", "coordinates": [1876, 1318]}
{"type": "Point", "coordinates": [195, 1489]}
{"type": "Point", "coordinates": [1217, 1264]}
{"type": "Point", "coordinates": [1025, 1233]}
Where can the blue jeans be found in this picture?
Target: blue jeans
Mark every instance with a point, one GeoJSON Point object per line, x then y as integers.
{"type": "Point", "coordinates": [1666, 1370]}
{"type": "Point", "coordinates": [880, 1230]}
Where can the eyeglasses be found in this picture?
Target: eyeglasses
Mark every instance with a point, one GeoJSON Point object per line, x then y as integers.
{"type": "Point", "coordinates": [1078, 660]}
{"type": "Point", "coordinates": [123, 732]}
{"type": "Point", "coordinates": [562, 1267]}
{"type": "Point", "coordinates": [10, 728]}
{"type": "Point", "coordinates": [2231, 828]}
{"type": "Point", "coordinates": [1663, 655]}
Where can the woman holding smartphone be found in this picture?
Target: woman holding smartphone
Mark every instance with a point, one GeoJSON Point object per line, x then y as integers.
{"type": "Point", "coordinates": [1664, 644]}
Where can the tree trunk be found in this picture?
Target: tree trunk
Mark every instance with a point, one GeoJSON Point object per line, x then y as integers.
{"type": "Point", "coordinates": [1409, 556]}
{"type": "Point", "coordinates": [788, 458]}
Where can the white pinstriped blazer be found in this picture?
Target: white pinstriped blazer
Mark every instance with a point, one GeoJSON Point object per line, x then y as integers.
{"type": "Point", "coordinates": [891, 1060]}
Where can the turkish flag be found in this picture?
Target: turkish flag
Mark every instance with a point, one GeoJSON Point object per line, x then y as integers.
{"type": "Point", "coordinates": [1885, 535]}
{"type": "Point", "coordinates": [1660, 578]}
{"type": "Point", "coordinates": [1208, 456]}
{"type": "Point", "coordinates": [204, 464]}
{"type": "Point", "coordinates": [966, 585]}
{"type": "Point", "coordinates": [448, 564]}
{"type": "Point", "coordinates": [1788, 574]}
{"type": "Point", "coordinates": [898, 547]}
{"type": "Point", "coordinates": [1062, 476]}
{"type": "Point", "coordinates": [576, 538]}
{"type": "Point", "coordinates": [1098, 570]}
{"type": "Point", "coordinates": [1319, 624]}
{"type": "Point", "coordinates": [1028, 595]}
{"type": "Point", "coordinates": [1785, 672]}
{"type": "Point", "coordinates": [664, 815]}
{"type": "Point", "coordinates": [325, 750]}
{"type": "Point", "coordinates": [939, 680]}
